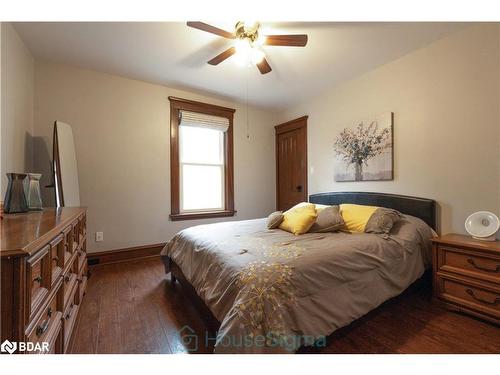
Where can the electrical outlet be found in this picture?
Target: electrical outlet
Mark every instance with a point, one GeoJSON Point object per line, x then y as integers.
{"type": "Point", "coordinates": [99, 236]}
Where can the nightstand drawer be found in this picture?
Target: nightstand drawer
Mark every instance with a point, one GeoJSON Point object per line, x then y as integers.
{"type": "Point", "coordinates": [465, 262]}
{"type": "Point", "coordinates": [484, 300]}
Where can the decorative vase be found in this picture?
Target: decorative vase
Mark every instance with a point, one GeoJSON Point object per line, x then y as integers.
{"type": "Point", "coordinates": [32, 191]}
{"type": "Point", "coordinates": [15, 199]}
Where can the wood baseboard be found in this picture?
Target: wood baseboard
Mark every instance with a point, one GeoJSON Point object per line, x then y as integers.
{"type": "Point", "coordinates": [124, 255]}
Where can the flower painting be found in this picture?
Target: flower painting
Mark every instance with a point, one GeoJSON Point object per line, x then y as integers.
{"type": "Point", "coordinates": [364, 152]}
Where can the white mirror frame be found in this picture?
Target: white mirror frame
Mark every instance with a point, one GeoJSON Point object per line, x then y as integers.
{"type": "Point", "coordinates": [67, 188]}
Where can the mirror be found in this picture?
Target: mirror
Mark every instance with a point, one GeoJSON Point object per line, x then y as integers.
{"type": "Point", "coordinates": [65, 168]}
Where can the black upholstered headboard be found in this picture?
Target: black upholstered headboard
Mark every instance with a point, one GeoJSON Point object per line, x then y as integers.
{"type": "Point", "coordinates": [422, 208]}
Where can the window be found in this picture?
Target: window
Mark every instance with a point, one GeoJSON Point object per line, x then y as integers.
{"type": "Point", "coordinates": [201, 160]}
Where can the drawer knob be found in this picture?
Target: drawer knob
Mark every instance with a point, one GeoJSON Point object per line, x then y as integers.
{"type": "Point", "coordinates": [49, 312]}
{"type": "Point", "coordinates": [473, 264]}
{"type": "Point", "coordinates": [493, 303]}
{"type": "Point", "coordinates": [56, 258]}
{"type": "Point", "coordinates": [38, 279]}
{"type": "Point", "coordinates": [40, 330]}
{"type": "Point", "coordinates": [66, 278]}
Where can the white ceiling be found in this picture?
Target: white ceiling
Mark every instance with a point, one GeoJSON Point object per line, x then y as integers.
{"type": "Point", "coordinates": [175, 55]}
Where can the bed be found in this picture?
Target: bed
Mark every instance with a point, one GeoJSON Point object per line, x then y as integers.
{"type": "Point", "coordinates": [273, 292]}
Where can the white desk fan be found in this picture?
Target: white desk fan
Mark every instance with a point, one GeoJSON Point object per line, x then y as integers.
{"type": "Point", "coordinates": [482, 225]}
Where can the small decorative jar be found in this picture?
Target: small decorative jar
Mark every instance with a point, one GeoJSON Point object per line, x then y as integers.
{"type": "Point", "coordinates": [32, 191]}
{"type": "Point", "coordinates": [15, 199]}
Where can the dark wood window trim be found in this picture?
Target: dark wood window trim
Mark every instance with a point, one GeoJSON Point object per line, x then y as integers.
{"type": "Point", "coordinates": [176, 105]}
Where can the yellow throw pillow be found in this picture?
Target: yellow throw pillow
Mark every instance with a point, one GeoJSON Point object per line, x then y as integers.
{"type": "Point", "coordinates": [356, 216]}
{"type": "Point", "coordinates": [299, 219]}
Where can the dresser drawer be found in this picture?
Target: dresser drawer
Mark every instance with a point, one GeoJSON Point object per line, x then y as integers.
{"type": "Point", "coordinates": [481, 266]}
{"type": "Point", "coordinates": [69, 283]}
{"type": "Point", "coordinates": [38, 281]}
{"type": "Point", "coordinates": [69, 317]}
{"type": "Point", "coordinates": [82, 286]}
{"type": "Point", "coordinates": [57, 257]}
{"type": "Point", "coordinates": [471, 295]}
{"type": "Point", "coordinates": [68, 245]}
{"type": "Point", "coordinates": [82, 259]}
{"type": "Point", "coordinates": [46, 328]}
{"type": "Point", "coordinates": [75, 234]}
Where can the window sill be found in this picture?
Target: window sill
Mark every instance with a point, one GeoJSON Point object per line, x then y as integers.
{"type": "Point", "coordinates": [201, 215]}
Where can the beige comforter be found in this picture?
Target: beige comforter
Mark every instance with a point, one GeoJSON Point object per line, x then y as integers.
{"type": "Point", "coordinates": [274, 292]}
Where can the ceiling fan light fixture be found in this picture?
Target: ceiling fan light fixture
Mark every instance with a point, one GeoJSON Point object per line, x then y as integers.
{"type": "Point", "coordinates": [246, 53]}
{"type": "Point", "coordinates": [242, 46]}
{"type": "Point", "coordinates": [257, 56]}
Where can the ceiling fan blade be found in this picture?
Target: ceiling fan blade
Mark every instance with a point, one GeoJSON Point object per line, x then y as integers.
{"type": "Point", "coordinates": [297, 40]}
{"type": "Point", "coordinates": [264, 66]}
{"type": "Point", "coordinates": [222, 56]}
{"type": "Point", "coordinates": [211, 29]}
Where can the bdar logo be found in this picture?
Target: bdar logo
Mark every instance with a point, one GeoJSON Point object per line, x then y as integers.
{"type": "Point", "coordinates": [9, 347]}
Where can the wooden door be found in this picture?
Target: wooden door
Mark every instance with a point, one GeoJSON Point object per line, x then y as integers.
{"type": "Point", "coordinates": [291, 163]}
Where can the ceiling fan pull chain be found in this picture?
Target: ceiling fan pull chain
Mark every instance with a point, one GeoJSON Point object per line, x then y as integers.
{"type": "Point", "coordinates": [248, 122]}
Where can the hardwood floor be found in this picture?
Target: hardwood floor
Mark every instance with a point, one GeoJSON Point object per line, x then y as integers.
{"type": "Point", "coordinates": [132, 307]}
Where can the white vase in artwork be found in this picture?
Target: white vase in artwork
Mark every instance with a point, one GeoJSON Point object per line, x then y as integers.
{"type": "Point", "coordinates": [32, 191]}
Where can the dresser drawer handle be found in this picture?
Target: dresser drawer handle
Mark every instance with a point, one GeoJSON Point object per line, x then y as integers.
{"type": "Point", "coordinates": [38, 279]}
{"type": "Point", "coordinates": [70, 311]}
{"type": "Point", "coordinates": [42, 328]}
{"type": "Point", "coordinates": [473, 264]}
{"type": "Point", "coordinates": [49, 312]}
{"type": "Point", "coordinates": [494, 303]}
{"type": "Point", "coordinates": [56, 258]}
{"type": "Point", "coordinates": [66, 278]}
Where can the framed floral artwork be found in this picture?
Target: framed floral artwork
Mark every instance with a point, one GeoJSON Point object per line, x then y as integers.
{"type": "Point", "coordinates": [364, 152]}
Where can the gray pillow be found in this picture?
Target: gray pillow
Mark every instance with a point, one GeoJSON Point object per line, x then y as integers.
{"type": "Point", "coordinates": [382, 221]}
{"type": "Point", "coordinates": [329, 220]}
{"type": "Point", "coordinates": [274, 220]}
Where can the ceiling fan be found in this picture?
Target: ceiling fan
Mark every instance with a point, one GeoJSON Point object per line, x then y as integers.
{"type": "Point", "coordinates": [248, 42]}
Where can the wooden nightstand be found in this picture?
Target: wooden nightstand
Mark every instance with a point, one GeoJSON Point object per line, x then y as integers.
{"type": "Point", "coordinates": [466, 275]}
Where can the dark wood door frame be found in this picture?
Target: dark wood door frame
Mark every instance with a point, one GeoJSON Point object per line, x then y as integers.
{"type": "Point", "coordinates": [298, 123]}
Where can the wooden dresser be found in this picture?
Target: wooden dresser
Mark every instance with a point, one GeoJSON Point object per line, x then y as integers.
{"type": "Point", "coordinates": [467, 275]}
{"type": "Point", "coordinates": [44, 276]}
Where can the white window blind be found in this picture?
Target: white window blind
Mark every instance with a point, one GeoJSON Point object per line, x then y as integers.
{"type": "Point", "coordinates": [201, 120]}
{"type": "Point", "coordinates": [201, 146]}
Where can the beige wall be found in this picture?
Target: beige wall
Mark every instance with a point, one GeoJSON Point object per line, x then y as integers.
{"type": "Point", "coordinates": [445, 98]}
{"type": "Point", "coordinates": [17, 67]}
{"type": "Point", "coordinates": [121, 130]}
